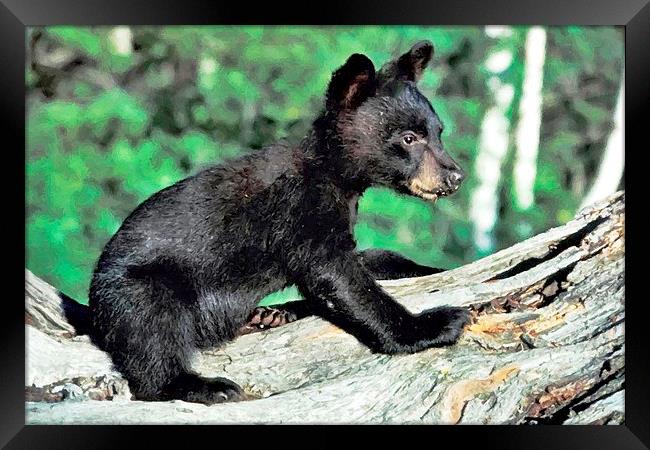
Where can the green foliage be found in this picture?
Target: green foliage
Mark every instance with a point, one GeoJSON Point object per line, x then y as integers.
{"type": "Point", "coordinates": [106, 132]}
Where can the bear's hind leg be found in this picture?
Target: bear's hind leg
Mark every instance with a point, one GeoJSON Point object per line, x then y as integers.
{"type": "Point", "coordinates": [152, 344]}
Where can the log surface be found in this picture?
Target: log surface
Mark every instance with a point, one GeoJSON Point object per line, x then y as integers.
{"type": "Point", "coordinates": [546, 346]}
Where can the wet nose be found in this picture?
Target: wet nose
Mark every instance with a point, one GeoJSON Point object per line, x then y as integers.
{"type": "Point", "coordinates": [454, 179]}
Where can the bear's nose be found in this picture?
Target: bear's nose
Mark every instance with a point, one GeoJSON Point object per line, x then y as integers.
{"type": "Point", "coordinates": [454, 179]}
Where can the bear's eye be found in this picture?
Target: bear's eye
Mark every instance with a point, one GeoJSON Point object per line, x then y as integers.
{"type": "Point", "coordinates": [409, 139]}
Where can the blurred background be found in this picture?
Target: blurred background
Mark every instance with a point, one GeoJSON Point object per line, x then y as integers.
{"type": "Point", "coordinates": [114, 114]}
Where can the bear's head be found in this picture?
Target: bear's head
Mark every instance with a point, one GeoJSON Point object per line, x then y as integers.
{"type": "Point", "coordinates": [388, 129]}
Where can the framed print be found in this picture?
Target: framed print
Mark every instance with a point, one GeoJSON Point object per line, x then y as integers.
{"type": "Point", "coordinates": [371, 214]}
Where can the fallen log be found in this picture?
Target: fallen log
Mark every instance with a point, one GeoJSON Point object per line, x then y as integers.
{"type": "Point", "coordinates": [546, 346]}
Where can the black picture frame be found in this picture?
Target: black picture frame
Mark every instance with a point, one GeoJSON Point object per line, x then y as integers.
{"type": "Point", "coordinates": [634, 15]}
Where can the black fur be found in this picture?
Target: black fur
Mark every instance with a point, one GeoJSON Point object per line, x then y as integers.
{"type": "Point", "coordinates": [189, 264]}
{"type": "Point", "coordinates": [387, 265]}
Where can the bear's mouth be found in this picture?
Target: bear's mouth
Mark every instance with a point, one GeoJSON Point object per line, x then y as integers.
{"type": "Point", "coordinates": [428, 194]}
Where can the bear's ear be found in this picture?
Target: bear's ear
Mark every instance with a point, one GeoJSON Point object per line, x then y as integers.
{"type": "Point", "coordinates": [409, 66]}
{"type": "Point", "coordinates": [351, 84]}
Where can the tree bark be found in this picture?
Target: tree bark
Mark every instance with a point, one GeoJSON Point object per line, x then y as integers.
{"type": "Point", "coordinates": [546, 346]}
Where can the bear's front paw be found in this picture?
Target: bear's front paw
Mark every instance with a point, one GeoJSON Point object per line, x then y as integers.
{"type": "Point", "coordinates": [264, 317]}
{"type": "Point", "coordinates": [447, 323]}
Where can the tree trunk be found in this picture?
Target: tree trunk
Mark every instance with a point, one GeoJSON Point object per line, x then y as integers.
{"type": "Point", "coordinates": [493, 142]}
{"type": "Point", "coordinates": [530, 119]}
{"type": "Point", "coordinates": [546, 346]}
{"type": "Point", "coordinates": [612, 163]}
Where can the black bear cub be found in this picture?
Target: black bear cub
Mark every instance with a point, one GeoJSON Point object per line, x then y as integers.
{"type": "Point", "coordinates": [189, 264]}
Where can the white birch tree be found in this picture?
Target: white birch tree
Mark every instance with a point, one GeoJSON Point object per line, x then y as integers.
{"type": "Point", "coordinates": [493, 145]}
{"type": "Point", "coordinates": [530, 119]}
{"type": "Point", "coordinates": [612, 163]}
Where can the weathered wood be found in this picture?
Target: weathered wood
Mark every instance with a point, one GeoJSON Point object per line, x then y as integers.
{"type": "Point", "coordinates": [546, 346]}
{"type": "Point", "coordinates": [43, 307]}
